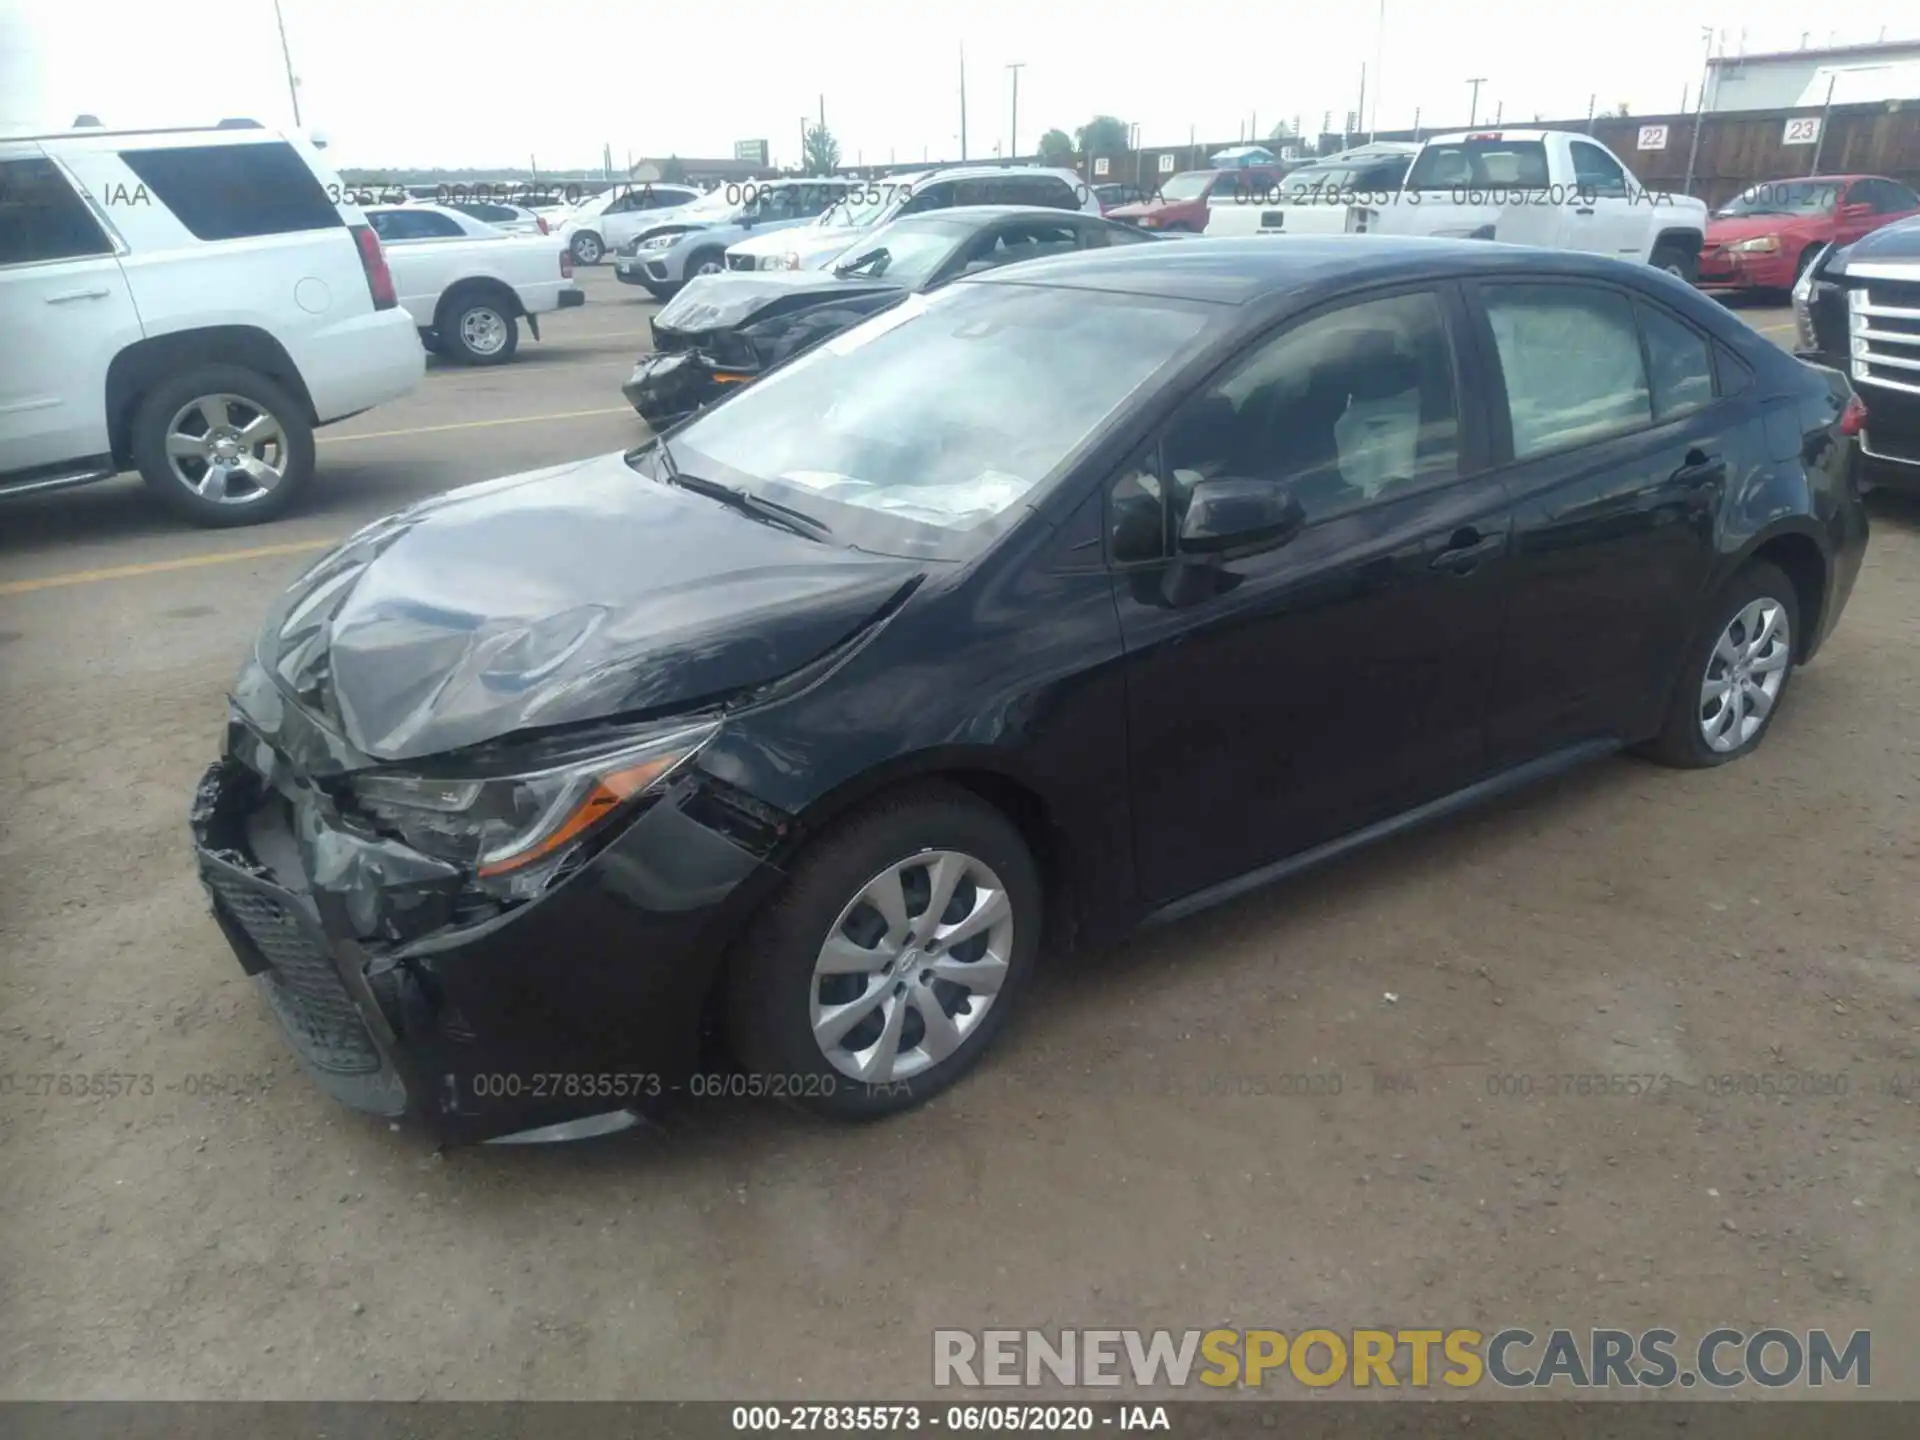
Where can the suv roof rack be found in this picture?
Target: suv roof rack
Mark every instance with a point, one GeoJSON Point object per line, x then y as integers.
{"type": "Point", "coordinates": [93, 132]}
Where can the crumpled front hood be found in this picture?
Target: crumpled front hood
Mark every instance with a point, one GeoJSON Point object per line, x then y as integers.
{"type": "Point", "coordinates": [558, 596]}
{"type": "Point", "coordinates": [720, 302]}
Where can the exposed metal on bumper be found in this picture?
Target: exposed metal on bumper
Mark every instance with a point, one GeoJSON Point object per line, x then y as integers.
{"type": "Point", "coordinates": [666, 387]}
{"type": "Point", "coordinates": [569, 1015]}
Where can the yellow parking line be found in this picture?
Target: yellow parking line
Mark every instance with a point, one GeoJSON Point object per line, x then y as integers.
{"type": "Point", "coordinates": [157, 567]}
{"type": "Point", "coordinates": [471, 425]}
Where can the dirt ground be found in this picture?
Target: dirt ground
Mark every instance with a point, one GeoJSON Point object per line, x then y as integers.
{"type": "Point", "coordinates": [1137, 1152]}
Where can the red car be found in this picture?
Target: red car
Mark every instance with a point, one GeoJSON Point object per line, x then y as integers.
{"type": "Point", "coordinates": [1182, 201]}
{"type": "Point", "coordinates": [1764, 238]}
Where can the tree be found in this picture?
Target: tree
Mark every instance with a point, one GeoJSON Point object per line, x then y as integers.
{"type": "Point", "coordinates": [823, 151]}
{"type": "Point", "coordinates": [673, 172]}
{"type": "Point", "coordinates": [1102, 135]}
{"type": "Point", "coordinates": [1056, 145]}
{"type": "Point", "coordinates": [1623, 109]}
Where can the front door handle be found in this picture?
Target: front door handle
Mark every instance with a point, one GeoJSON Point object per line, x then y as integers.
{"type": "Point", "coordinates": [65, 296]}
{"type": "Point", "coordinates": [1700, 469]}
{"type": "Point", "coordinates": [1584, 210]}
{"type": "Point", "coordinates": [1466, 549]}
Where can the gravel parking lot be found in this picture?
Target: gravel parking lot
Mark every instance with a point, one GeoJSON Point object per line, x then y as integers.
{"type": "Point", "coordinates": [1335, 1103]}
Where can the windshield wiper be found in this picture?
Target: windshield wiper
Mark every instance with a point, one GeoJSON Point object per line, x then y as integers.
{"type": "Point", "coordinates": [745, 501]}
{"type": "Point", "coordinates": [877, 257]}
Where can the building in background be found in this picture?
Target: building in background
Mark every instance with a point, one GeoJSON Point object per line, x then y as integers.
{"type": "Point", "coordinates": [1858, 74]}
{"type": "Point", "coordinates": [694, 172]}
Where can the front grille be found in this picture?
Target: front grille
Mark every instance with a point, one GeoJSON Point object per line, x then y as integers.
{"type": "Point", "coordinates": [303, 986]}
{"type": "Point", "coordinates": [740, 262]}
{"type": "Point", "coordinates": [1883, 325]}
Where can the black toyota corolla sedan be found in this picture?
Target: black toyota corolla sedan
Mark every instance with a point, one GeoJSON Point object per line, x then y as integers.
{"type": "Point", "coordinates": [728, 329]}
{"type": "Point", "coordinates": [1067, 598]}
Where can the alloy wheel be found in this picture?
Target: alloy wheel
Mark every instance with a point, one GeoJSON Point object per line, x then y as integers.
{"type": "Point", "coordinates": [1745, 671]}
{"type": "Point", "coordinates": [483, 330]}
{"type": "Point", "coordinates": [709, 267]}
{"type": "Point", "coordinates": [226, 449]}
{"type": "Point", "coordinates": [586, 249]}
{"type": "Point", "coordinates": [911, 966]}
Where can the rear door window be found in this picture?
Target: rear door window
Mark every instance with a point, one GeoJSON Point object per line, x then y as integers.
{"type": "Point", "coordinates": [231, 192]}
{"type": "Point", "coordinates": [42, 217]}
{"type": "Point", "coordinates": [1596, 384]}
{"type": "Point", "coordinates": [1679, 363]}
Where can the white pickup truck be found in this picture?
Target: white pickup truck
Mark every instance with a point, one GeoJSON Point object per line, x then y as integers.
{"type": "Point", "coordinates": [467, 285]}
{"type": "Point", "coordinates": [1555, 188]}
{"type": "Point", "coordinates": [1315, 199]}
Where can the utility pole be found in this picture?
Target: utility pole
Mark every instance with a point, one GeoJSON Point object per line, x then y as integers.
{"type": "Point", "coordinates": [286, 55]}
{"type": "Point", "coordinates": [963, 102]}
{"type": "Point", "coordinates": [1473, 110]}
{"type": "Point", "coordinates": [1700, 109]}
{"type": "Point", "coordinates": [1013, 135]}
{"type": "Point", "coordinates": [1820, 140]}
{"type": "Point", "coordinates": [802, 167]}
{"type": "Point", "coordinates": [1500, 109]}
{"type": "Point", "coordinates": [1360, 115]}
{"type": "Point", "coordinates": [1379, 49]}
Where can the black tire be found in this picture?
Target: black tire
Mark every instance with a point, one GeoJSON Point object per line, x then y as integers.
{"type": "Point", "coordinates": [770, 982]}
{"type": "Point", "coordinates": [465, 314]}
{"type": "Point", "coordinates": [248, 502]}
{"type": "Point", "coordinates": [587, 247]}
{"type": "Point", "coordinates": [1681, 742]}
{"type": "Point", "coordinates": [1676, 260]}
{"type": "Point", "coordinates": [712, 254]}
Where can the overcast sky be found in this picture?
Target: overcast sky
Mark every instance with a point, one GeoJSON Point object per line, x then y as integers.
{"type": "Point", "coordinates": [492, 82]}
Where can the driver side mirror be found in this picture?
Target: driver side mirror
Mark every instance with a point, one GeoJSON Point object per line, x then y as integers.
{"type": "Point", "coordinates": [1231, 513]}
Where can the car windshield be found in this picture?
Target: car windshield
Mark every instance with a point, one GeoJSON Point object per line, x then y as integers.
{"type": "Point", "coordinates": [862, 208]}
{"type": "Point", "coordinates": [906, 252]}
{"type": "Point", "coordinates": [1784, 197]}
{"type": "Point", "coordinates": [1188, 186]}
{"type": "Point", "coordinates": [925, 430]}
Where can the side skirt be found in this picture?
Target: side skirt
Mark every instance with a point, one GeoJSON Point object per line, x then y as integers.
{"type": "Point", "coordinates": [1478, 793]}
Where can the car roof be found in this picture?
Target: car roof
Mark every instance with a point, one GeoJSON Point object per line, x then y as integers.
{"type": "Point", "coordinates": [988, 214]}
{"type": "Point", "coordinates": [1242, 271]}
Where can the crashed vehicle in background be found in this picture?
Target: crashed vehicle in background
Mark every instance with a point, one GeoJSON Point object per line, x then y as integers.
{"type": "Point", "coordinates": [725, 330]}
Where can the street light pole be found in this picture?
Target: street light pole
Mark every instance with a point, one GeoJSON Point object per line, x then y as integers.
{"type": "Point", "coordinates": [1013, 136]}
{"type": "Point", "coordinates": [963, 102]}
{"type": "Point", "coordinates": [1473, 111]}
{"type": "Point", "coordinates": [1700, 110]}
{"type": "Point", "coordinates": [286, 55]}
{"type": "Point", "coordinates": [1379, 49]}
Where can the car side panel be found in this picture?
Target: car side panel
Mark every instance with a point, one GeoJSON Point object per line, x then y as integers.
{"type": "Point", "coordinates": [306, 289]}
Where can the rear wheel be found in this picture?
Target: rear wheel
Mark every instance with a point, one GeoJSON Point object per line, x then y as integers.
{"type": "Point", "coordinates": [1735, 674]}
{"type": "Point", "coordinates": [587, 248]}
{"type": "Point", "coordinates": [478, 327]}
{"type": "Point", "coordinates": [882, 972]}
{"type": "Point", "coordinates": [223, 445]}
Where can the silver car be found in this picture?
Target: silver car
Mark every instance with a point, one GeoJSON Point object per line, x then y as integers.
{"type": "Point", "coordinates": [693, 244]}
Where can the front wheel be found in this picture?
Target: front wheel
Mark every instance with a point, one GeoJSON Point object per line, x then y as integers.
{"type": "Point", "coordinates": [587, 248]}
{"type": "Point", "coordinates": [705, 262]}
{"type": "Point", "coordinates": [1677, 261]}
{"type": "Point", "coordinates": [223, 445]}
{"type": "Point", "coordinates": [883, 970]}
{"type": "Point", "coordinates": [1735, 673]}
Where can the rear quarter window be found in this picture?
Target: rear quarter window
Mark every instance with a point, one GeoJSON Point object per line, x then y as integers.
{"type": "Point", "coordinates": [231, 192]}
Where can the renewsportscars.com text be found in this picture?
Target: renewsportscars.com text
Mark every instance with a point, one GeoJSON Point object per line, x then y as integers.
{"type": "Point", "coordinates": [1459, 1358]}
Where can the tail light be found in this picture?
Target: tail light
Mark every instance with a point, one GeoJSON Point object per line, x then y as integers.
{"type": "Point", "coordinates": [1853, 419]}
{"type": "Point", "coordinates": [566, 264]}
{"type": "Point", "coordinates": [373, 261]}
{"type": "Point", "coordinates": [541, 221]}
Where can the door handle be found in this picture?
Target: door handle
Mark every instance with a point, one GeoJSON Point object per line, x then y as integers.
{"type": "Point", "coordinates": [65, 296]}
{"type": "Point", "coordinates": [1466, 549]}
{"type": "Point", "coordinates": [1700, 469]}
{"type": "Point", "coordinates": [1584, 210]}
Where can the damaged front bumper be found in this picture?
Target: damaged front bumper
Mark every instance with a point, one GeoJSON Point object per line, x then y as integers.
{"type": "Point", "coordinates": [668, 387]}
{"type": "Point", "coordinates": [586, 1001]}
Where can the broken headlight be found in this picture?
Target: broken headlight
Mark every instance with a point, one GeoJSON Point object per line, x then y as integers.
{"type": "Point", "coordinates": [517, 828]}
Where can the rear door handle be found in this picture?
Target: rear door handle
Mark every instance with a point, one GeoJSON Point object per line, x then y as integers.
{"type": "Point", "coordinates": [65, 296]}
{"type": "Point", "coordinates": [1466, 549]}
{"type": "Point", "coordinates": [1700, 469]}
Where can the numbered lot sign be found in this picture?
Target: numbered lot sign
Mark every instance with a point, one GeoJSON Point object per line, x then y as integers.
{"type": "Point", "coordinates": [1100, 165]}
{"type": "Point", "coordinates": [1166, 164]}
{"type": "Point", "coordinates": [1804, 130]}
{"type": "Point", "coordinates": [1653, 137]}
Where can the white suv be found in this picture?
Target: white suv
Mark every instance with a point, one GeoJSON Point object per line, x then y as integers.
{"type": "Point", "coordinates": [873, 203]}
{"type": "Point", "coordinates": [190, 304]}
